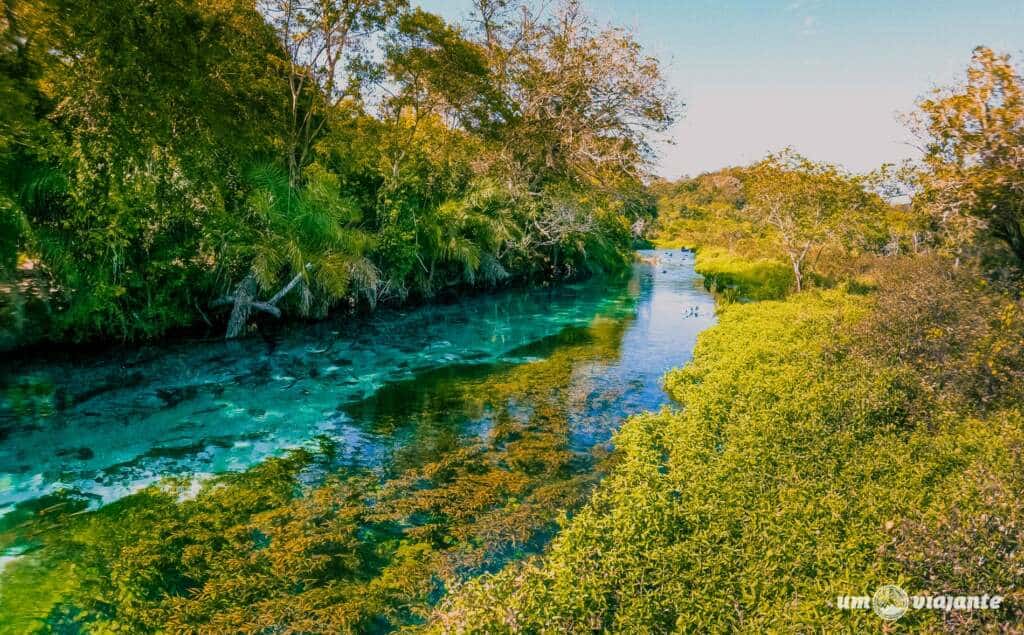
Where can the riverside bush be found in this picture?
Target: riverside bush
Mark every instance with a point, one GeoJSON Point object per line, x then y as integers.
{"type": "Point", "coordinates": [794, 474]}
{"type": "Point", "coordinates": [733, 278]}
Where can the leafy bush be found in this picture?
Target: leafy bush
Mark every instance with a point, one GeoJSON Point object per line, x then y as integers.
{"type": "Point", "coordinates": [733, 278]}
{"type": "Point", "coordinates": [957, 337]}
{"type": "Point", "coordinates": [788, 479]}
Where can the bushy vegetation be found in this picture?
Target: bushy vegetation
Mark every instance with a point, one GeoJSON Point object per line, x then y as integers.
{"type": "Point", "coordinates": [973, 179]}
{"type": "Point", "coordinates": [733, 278]}
{"type": "Point", "coordinates": [800, 469]}
{"type": "Point", "coordinates": [865, 431]}
{"type": "Point", "coordinates": [159, 160]}
{"type": "Point", "coordinates": [783, 213]}
{"type": "Point", "coordinates": [853, 420]}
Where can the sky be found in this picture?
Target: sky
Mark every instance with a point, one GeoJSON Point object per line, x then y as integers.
{"type": "Point", "coordinates": [829, 78]}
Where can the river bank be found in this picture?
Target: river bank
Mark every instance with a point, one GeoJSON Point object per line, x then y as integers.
{"type": "Point", "coordinates": [808, 462]}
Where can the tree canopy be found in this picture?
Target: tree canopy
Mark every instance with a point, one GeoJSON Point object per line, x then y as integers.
{"type": "Point", "coordinates": [808, 206]}
{"type": "Point", "coordinates": [974, 167]}
{"type": "Point", "coordinates": [143, 147]}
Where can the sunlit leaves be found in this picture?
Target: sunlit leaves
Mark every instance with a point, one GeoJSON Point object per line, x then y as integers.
{"type": "Point", "coordinates": [807, 205]}
{"type": "Point", "coordinates": [310, 231]}
{"type": "Point", "coordinates": [974, 135]}
{"type": "Point", "coordinates": [304, 544]}
{"type": "Point", "coordinates": [780, 485]}
{"type": "Point", "coordinates": [457, 150]}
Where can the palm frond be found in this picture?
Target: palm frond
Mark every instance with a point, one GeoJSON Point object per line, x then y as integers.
{"type": "Point", "coordinates": [491, 269]}
{"type": "Point", "coordinates": [43, 193]}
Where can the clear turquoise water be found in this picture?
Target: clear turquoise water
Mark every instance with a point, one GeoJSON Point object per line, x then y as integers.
{"type": "Point", "coordinates": [104, 426]}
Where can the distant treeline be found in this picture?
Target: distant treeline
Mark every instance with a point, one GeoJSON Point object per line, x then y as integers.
{"type": "Point", "coordinates": [169, 162]}
{"type": "Point", "coordinates": [963, 199]}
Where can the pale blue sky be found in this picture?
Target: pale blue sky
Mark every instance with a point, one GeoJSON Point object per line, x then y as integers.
{"type": "Point", "coordinates": [825, 76]}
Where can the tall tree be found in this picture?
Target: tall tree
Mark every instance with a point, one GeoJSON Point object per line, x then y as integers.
{"type": "Point", "coordinates": [974, 152]}
{"type": "Point", "coordinates": [327, 45]}
{"type": "Point", "coordinates": [582, 103]}
{"type": "Point", "coordinates": [808, 205]}
{"type": "Point", "coordinates": [151, 104]}
{"type": "Point", "coordinates": [584, 99]}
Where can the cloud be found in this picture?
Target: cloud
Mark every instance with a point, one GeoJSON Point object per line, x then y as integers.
{"type": "Point", "coordinates": [809, 25]}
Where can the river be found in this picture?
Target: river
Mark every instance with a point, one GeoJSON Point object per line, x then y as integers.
{"type": "Point", "coordinates": [527, 385]}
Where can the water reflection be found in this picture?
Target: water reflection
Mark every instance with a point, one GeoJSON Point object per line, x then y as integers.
{"type": "Point", "coordinates": [106, 426]}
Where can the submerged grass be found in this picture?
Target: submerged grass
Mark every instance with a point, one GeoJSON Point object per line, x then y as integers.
{"type": "Point", "coordinates": [306, 544]}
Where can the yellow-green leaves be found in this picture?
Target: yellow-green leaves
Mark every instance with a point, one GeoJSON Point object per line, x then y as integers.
{"type": "Point", "coordinates": [974, 179]}
{"type": "Point", "coordinates": [796, 471]}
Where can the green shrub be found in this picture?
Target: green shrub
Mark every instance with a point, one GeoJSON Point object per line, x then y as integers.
{"type": "Point", "coordinates": [733, 278]}
{"type": "Point", "coordinates": [958, 338]}
{"type": "Point", "coordinates": [787, 480]}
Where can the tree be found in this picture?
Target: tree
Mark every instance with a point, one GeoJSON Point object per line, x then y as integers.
{"type": "Point", "coordinates": [974, 153]}
{"type": "Point", "coordinates": [141, 112]}
{"type": "Point", "coordinates": [440, 71]}
{"type": "Point", "coordinates": [571, 140]}
{"type": "Point", "coordinates": [306, 235]}
{"type": "Point", "coordinates": [326, 44]}
{"type": "Point", "coordinates": [807, 204]}
{"type": "Point", "coordinates": [583, 100]}
{"type": "Point", "coordinates": [129, 131]}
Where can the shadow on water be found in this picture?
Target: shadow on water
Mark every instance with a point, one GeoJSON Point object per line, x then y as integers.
{"type": "Point", "coordinates": [481, 425]}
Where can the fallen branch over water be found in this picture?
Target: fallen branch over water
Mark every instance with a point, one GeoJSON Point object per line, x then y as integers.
{"type": "Point", "coordinates": [245, 302]}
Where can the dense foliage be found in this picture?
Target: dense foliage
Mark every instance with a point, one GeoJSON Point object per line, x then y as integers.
{"type": "Point", "coordinates": [291, 156]}
{"type": "Point", "coordinates": [803, 467]}
{"type": "Point", "coordinates": [771, 225]}
{"type": "Point", "coordinates": [974, 181]}
{"type": "Point", "coordinates": [854, 419]}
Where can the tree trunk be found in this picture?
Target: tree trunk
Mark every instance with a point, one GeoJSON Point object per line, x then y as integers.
{"type": "Point", "coordinates": [797, 275]}
{"type": "Point", "coordinates": [244, 302]}
{"type": "Point", "coordinates": [245, 294]}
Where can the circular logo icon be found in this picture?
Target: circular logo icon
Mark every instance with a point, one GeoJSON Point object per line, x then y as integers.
{"type": "Point", "coordinates": [890, 602]}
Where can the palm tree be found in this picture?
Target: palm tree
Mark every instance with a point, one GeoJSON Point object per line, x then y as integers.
{"type": "Point", "coordinates": [306, 239]}
{"type": "Point", "coordinates": [463, 238]}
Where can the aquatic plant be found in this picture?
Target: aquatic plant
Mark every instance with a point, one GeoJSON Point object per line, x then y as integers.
{"type": "Point", "coordinates": [305, 543]}
{"type": "Point", "coordinates": [797, 472]}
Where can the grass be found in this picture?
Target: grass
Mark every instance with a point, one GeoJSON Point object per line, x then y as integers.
{"type": "Point", "coordinates": [733, 278]}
